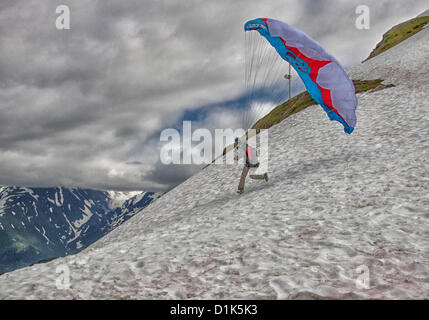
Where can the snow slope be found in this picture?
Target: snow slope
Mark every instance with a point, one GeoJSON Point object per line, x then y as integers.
{"type": "Point", "coordinates": [44, 223]}
{"type": "Point", "coordinates": [424, 14]}
{"type": "Point", "coordinates": [335, 206]}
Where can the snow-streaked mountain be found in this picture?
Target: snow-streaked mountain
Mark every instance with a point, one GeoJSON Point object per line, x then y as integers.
{"type": "Point", "coordinates": [118, 198]}
{"type": "Point", "coordinates": [43, 223]}
{"type": "Point", "coordinates": [338, 210]}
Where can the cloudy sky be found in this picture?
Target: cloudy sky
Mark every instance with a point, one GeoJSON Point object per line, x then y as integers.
{"type": "Point", "coordinates": [85, 107]}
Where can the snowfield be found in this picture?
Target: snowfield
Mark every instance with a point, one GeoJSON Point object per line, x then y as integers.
{"type": "Point", "coordinates": [338, 210]}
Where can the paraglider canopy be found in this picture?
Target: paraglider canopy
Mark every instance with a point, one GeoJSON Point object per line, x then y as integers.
{"type": "Point", "coordinates": [323, 76]}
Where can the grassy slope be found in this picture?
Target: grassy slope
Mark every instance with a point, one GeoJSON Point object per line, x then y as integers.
{"type": "Point", "coordinates": [398, 34]}
{"type": "Point", "coordinates": [304, 100]}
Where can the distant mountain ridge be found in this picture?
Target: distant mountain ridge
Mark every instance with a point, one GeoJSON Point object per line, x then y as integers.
{"type": "Point", "coordinates": [44, 223]}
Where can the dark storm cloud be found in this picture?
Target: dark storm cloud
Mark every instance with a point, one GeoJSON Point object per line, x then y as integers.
{"type": "Point", "coordinates": [84, 107]}
{"type": "Point", "coordinates": [134, 162]}
{"type": "Point", "coordinates": [126, 132]}
{"type": "Point", "coordinates": [171, 175]}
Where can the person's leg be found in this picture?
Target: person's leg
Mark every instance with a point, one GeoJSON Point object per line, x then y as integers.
{"type": "Point", "coordinates": [259, 176]}
{"type": "Point", "coordinates": [243, 178]}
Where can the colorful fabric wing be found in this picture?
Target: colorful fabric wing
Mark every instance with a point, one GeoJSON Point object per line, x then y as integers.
{"type": "Point", "coordinates": [324, 78]}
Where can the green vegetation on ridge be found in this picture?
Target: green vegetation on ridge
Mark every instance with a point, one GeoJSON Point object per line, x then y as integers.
{"type": "Point", "coordinates": [398, 34]}
{"type": "Point", "coordinates": [304, 100]}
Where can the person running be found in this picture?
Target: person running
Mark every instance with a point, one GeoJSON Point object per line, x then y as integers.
{"type": "Point", "coordinates": [251, 162]}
